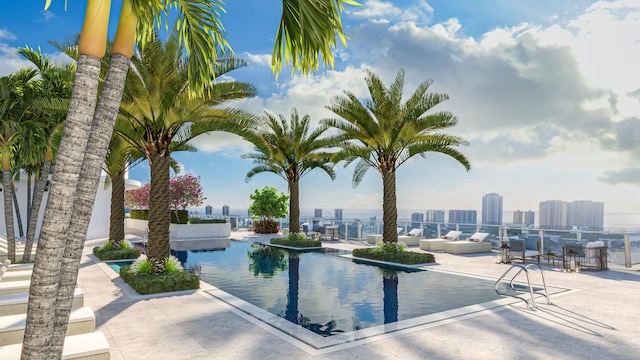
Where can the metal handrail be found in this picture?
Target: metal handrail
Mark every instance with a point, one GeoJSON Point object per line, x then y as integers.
{"type": "Point", "coordinates": [525, 269]}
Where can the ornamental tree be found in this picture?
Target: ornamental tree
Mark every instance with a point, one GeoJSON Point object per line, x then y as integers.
{"type": "Point", "coordinates": [185, 191]}
{"type": "Point", "coordinates": [137, 198]}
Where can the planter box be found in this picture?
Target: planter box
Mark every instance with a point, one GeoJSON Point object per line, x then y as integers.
{"type": "Point", "coordinates": [199, 231]}
{"type": "Point", "coordinates": [185, 231]}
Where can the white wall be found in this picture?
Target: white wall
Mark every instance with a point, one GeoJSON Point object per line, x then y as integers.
{"type": "Point", "coordinates": [98, 225]}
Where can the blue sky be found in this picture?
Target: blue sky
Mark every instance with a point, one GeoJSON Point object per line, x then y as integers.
{"type": "Point", "coordinates": [547, 92]}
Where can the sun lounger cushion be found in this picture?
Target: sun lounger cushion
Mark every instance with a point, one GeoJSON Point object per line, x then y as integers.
{"type": "Point", "coordinates": [478, 237]}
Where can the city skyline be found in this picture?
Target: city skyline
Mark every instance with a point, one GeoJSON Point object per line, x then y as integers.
{"type": "Point", "coordinates": [548, 111]}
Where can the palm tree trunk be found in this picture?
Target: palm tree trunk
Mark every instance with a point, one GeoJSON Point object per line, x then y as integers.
{"type": "Point", "coordinates": [294, 206]}
{"type": "Point", "coordinates": [46, 269]}
{"type": "Point", "coordinates": [389, 207]}
{"type": "Point", "coordinates": [41, 184]}
{"type": "Point", "coordinates": [390, 298]}
{"type": "Point", "coordinates": [101, 129]}
{"type": "Point", "coordinates": [29, 198]}
{"type": "Point", "coordinates": [17, 210]}
{"type": "Point", "coordinates": [116, 220]}
{"type": "Point", "coordinates": [8, 214]}
{"type": "Point", "coordinates": [159, 215]}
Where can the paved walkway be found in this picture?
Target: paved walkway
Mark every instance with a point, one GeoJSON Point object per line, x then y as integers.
{"type": "Point", "coordinates": [599, 321]}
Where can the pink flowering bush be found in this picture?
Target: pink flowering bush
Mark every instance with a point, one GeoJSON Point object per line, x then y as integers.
{"type": "Point", "coordinates": [184, 191]}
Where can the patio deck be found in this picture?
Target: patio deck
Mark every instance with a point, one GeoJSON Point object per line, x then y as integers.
{"type": "Point", "coordinates": [594, 322]}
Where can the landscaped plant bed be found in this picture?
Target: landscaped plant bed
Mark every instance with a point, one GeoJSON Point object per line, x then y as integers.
{"type": "Point", "coordinates": [400, 257]}
{"type": "Point", "coordinates": [297, 243]}
{"type": "Point", "coordinates": [158, 283]}
{"type": "Point", "coordinates": [109, 251]}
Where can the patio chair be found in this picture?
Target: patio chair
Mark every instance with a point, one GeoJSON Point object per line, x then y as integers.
{"type": "Point", "coordinates": [518, 250]}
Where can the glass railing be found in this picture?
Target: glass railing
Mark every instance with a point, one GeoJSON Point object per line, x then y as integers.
{"type": "Point", "coordinates": [623, 248]}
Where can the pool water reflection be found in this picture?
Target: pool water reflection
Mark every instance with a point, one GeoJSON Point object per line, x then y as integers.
{"type": "Point", "coordinates": [329, 294]}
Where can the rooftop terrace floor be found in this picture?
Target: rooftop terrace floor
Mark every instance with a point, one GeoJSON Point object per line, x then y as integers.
{"type": "Point", "coordinates": [596, 321]}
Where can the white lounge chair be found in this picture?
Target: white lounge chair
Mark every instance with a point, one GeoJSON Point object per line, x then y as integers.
{"type": "Point", "coordinates": [413, 237]}
{"type": "Point", "coordinates": [438, 244]}
{"type": "Point", "coordinates": [474, 244]}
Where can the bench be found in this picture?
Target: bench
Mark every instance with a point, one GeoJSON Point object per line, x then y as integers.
{"type": "Point", "coordinates": [90, 346]}
{"type": "Point", "coordinates": [81, 321]}
{"type": "Point", "coordinates": [17, 303]}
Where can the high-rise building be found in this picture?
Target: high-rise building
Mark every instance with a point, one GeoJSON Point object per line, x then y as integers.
{"type": "Point", "coordinates": [585, 214]}
{"type": "Point", "coordinates": [435, 216]}
{"type": "Point", "coordinates": [317, 213]}
{"type": "Point", "coordinates": [553, 214]}
{"type": "Point", "coordinates": [462, 217]}
{"type": "Point", "coordinates": [225, 210]}
{"type": "Point", "coordinates": [416, 220]}
{"type": "Point", "coordinates": [530, 217]}
{"type": "Point", "coordinates": [338, 213]}
{"type": "Point", "coordinates": [208, 210]}
{"type": "Point", "coordinates": [492, 209]}
{"type": "Point", "coordinates": [518, 217]}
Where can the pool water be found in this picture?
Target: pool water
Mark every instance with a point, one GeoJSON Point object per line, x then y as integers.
{"type": "Point", "coordinates": [329, 294]}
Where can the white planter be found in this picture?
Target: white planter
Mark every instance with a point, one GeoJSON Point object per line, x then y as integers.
{"type": "Point", "coordinates": [135, 224]}
{"type": "Point", "coordinates": [199, 231]}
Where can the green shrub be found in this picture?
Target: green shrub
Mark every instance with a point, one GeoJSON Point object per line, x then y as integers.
{"type": "Point", "coordinates": [400, 257]}
{"type": "Point", "coordinates": [182, 216]}
{"type": "Point", "coordinates": [158, 283]}
{"type": "Point", "coordinates": [296, 242]}
{"type": "Point", "coordinates": [115, 251]}
{"type": "Point", "coordinates": [143, 266]}
{"type": "Point", "coordinates": [172, 264]}
{"type": "Point", "coordinates": [206, 221]}
{"type": "Point", "coordinates": [139, 214]}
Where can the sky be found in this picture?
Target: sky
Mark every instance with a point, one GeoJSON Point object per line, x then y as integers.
{"type": "Point", "coordinates": [547, 93]}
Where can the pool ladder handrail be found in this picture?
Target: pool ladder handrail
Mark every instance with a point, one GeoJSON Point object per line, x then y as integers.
{"type": "Point", "coordinates": [525, 269]}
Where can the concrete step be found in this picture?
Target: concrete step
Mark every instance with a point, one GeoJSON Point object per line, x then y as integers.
{"type": "Point", "coordinates": [81, 321]}
{"type": "Point", "coordinates": [90, 346]}
{"type": "Point", "coordinates": [15, 304]}
{"type": "Point", "coordinates": [16, 276]}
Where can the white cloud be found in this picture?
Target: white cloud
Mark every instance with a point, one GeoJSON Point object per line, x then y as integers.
{"type": "Point", "coordinates": [46, 15]}
{"type": "Point", "coordinates": [383, 11]}
{"type": "Point", "coordinates": [6, 34]}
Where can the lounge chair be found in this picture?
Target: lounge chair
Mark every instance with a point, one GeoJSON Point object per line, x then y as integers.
{"type": "Point", "coordinates": [438, 244]}
{"type": "Point", "coordinates": [474, 244]}
{"type": "Point", "coordinates": [412, 238]}
{"type": "Point", "coordinates": [520, 250]}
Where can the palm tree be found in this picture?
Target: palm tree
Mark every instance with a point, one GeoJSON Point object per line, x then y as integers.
{"type": "Point", "coordinates": [307, 30]}
{"type": "Point", "coordinates": [37, 139]}
{"type": "Point", "coordinates": [293, 151]}
{"type": "Point", "coordinates": [17, 92]}
{"type": "Point", "coordinates": [164, 117]}
{"type": "Point", "coordinates": [383, 133]}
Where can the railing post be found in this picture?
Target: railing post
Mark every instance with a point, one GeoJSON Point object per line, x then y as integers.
{"type": "Point", "coordinates": [358, 231]}
{"type": "Point", "coordinates": [541, 237]}
{"type": "Point", "coordinates": [439, 235]}
{"type": "Point", "coordinates": [627, 250]}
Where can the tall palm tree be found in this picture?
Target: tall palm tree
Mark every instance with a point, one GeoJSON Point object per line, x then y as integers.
{"type": "Point", "coordinates": [165, 117]}
{"type": "Point", "coordinates": [37, 139]}
{"type": "Point", "coordinates": [307, 30]}
{"type": "Point", "coordinates": [17, 92]}
{"type": "Point", "coordinates": [293, 151]}
{"type": "Point", "coordinates": [384, 132]}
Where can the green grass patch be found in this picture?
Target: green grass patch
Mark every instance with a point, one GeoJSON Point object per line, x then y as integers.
{"type": "Point", "coordinates": [401, 257]}
{"type": "Point", "coordinates": [297, 243]}
{"type": "Point", "coordinates": [158, 283]}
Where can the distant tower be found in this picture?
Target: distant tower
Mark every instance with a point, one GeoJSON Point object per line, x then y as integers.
{"type": "Point", "coordinates": [492, 209]}
{"type": "Point", "coordinates": [208, 210]}
{"type": "Point", "coordinates": [553, 214]}
{"type": "Point", "coordinates": [463, 217]}
{"type": "Point", "coordinates": [518, 217]}
{"type": "Point", "coordinates": [317, 213]}
{"type": "Point", "coordinates": [435, 216]}
{"type": "Point", "coordinates": [417, 219]}
{"type": "Point", "coordinates": [338, 213]}
{"type": "Point", "coordinates": [529, 218]}
{"type": "Point", "coordinates": [225, 210]}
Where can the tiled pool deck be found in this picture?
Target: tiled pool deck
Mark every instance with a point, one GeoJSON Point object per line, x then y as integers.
{"type": "Point", "coordinates": [596, 321]}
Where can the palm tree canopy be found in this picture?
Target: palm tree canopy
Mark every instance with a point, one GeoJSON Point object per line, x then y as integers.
{"type": "Point", "coordinates": [294, 149]}
{"type": "Point", "coordinates": [164, 116]}
{"type": "Point", "coordinates": [383, 132]}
